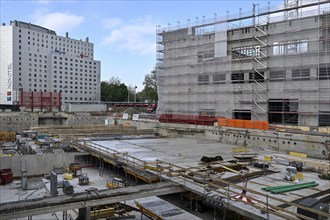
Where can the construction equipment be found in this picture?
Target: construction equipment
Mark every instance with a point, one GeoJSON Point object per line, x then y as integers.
{"type": "Point", "coordinates": [68, 176]}
{"type": "Point", "coordinates": [83, 179]}
{"type": "Point", "coordinates": [75, 169]}
{"type": "Point", "coordinates": [67, 188]}
{"type": "Point", "coordinates": [116, 183]}
{"type": "Point", "coordinates": [291, 172]}
{"type": "Point", "coordinates": [8, 136]}
{"type": "Point", "coordinates": [297, 164]}
{"type": "Point", "coordinates": [261, 165]}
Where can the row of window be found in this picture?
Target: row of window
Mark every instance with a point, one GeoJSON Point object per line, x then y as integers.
{"type": "Point", "coordinates": [58, 50]}
{"type": "Point", "coordinates": [51, 42]}
{"type": "Point", "coordinates": [33, 87]}
{"type": "Point", "coordinates": [56, 38]}
{"type": "Point", "coordinates": [249, 51]}
{"type": "Point", "coordinates": [65, 98]}
{"type": "Point", "coordinates": [38, 50]}
{"type": "Point", "coordinates": [76, 91]}
{"type": "Point", "coordinates": [76, 65]}
{"type": "Point", "coordinates": [290, 47]}
{"type": "Point", "coordinates": [276, 75]}
{"type": "Point", "coordinates": [74, 60]}
{"type": "Point", "coordinates": [61, 82]}
{"type": "Point", "coordinates": [279, 48]}
{"type": "Point", "coordinates": [76, 69]}
{"type": "Point", "coordinates": [70, 82]}
{"type": "Point", "coordinates": [76, 74]}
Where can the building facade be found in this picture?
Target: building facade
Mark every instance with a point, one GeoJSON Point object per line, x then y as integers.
{"type": "Point", "coordinates": [35, 59]}
{"type": "Point", "coordinates": [268, 64]}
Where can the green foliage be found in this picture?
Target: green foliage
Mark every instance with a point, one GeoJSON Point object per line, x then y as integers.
{"type": "Point", "coordinates": [150, 86]}
{"type": "Point", "coordinates": [113, 90]}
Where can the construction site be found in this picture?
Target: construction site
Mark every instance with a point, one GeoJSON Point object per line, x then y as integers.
{"type": "Point", "coordinates": [241, 131]}
{"type": "Point", "coordinates": [271, 63]}
{"type": "Point", "coordinates": [116, 170]}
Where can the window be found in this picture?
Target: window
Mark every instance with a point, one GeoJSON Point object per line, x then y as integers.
{"type": "Point", "coordinates": [237, 78]}
{"type": "Point", "coordinates": [324, 118]}
{"type": "Point", "coordinates": [218, 79]}
{"type": "Point", "coordinates": [203, 79]}
{"type": "Point", "coordinates": [257, 77]}
{"type": "Point", "coordinates": [242, 114]}
{"type": "Point", "coordinates": [202, 56]}
{"type": "Point", "coordinates": [300, 74]}
{"type": "Point", "coordinates": [290, 47]}
{"type": "Point", "coordinates": [324, 72]}
{"type": "Point", "coordinates": [283, 111]}
{"type": "Point", "coordinates": [243, 52]}
{"type": "Point", "coordinates": [277, 75]}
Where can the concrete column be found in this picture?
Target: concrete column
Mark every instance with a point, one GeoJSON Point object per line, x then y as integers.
{"type": "Point", "coordinates": [288, 74]}
{"type": "Point", "coordinates": [313, 72]}
{"type": "Point", "coordinates": [246, 77]}
{"type": "Point", "coordinates": [65, 215]}
{"type": "Point", "coordinates": [84, 213]}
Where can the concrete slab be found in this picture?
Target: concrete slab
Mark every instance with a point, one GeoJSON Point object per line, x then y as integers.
{"type": "Point", "coordinates": [187, 152]}
{"type": "Point", "coordinates": [163, 209]}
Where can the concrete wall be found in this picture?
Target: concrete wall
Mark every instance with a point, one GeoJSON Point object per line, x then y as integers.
{"type": "Point", "coordinates": [18, 121]}
{"type": "Point", "coordinates": [139, 124]}
{"type": "Point", "coordinates": [36, 164]}
{"type": "Point", "coordinates": [317, 146]}
{"type": "Point", "coordinates": [82, 107]}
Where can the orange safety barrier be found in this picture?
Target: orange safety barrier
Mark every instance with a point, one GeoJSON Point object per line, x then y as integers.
{"type": "Point", "coordinates": [231, 122]}
{"type": "Point", "coordinates": [239, 123]}
{"type": "Point", "coordinates": [248, 124]}
{"type": "Point", "coordinates": [222, 122]}
{"type": "Point", "coordinates": [258, 125]}
{"type": "Point", "coordinates": [266, 126]}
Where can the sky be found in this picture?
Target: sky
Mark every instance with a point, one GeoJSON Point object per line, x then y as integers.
{"type": "Point", "coordinates": [123, 32]}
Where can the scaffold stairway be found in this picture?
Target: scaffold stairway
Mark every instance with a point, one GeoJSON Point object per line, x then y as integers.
{"type": "Point", "coordinates": [260, 67]}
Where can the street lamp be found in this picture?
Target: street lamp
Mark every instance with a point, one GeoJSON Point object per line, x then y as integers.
{"type": "Point", "coordinates": [135, 93]}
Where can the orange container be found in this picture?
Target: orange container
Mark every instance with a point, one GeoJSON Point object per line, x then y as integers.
{"type": "Point", "coordinates": [248, 124]}
{"type": "Point", "coordinates": [222, 122]}
{"type": "Point", "coordinates": [239, 123]}
{"type": "Point", "coordinates": [231, 122]}
{"type": "Point", "coordinates": [266, 127]}
{"type": "Point", "coordinates": [258, 125]}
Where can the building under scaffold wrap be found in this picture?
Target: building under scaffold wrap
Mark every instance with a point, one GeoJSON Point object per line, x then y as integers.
{"type": "Point", "coordinates": [272, 63]}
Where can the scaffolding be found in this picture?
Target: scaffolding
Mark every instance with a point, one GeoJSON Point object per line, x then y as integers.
{"type": "Point", "coordinates": [271, 63]}
{"type": "Point", "coordinates": [41, 101]}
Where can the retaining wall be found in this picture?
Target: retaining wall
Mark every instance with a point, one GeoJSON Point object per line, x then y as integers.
{"type": "Point", "coordinates": [36, 164]}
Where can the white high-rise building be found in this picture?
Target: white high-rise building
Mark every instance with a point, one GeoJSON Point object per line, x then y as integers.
{"type": "Point", "coordinates": [34, 58]}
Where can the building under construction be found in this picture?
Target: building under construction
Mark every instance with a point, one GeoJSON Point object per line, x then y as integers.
{"type": "Point", "coordinates": [269, 64]}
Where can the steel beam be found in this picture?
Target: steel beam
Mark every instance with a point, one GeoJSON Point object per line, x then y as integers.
{"type": "Point", "coordinates": [31, 207]}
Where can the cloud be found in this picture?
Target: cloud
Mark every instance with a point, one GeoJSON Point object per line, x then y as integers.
{"type": "Point", "coordinates": [57, 21]}
{"type": "Point", "coordinates": [42, 1]}
{"type": "Point", "coordinates": [110, 23]}
{"type": "Point", "coordinates": [136, 35]}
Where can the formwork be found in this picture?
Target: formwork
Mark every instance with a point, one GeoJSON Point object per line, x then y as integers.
{"type": "Point", "coordinates": [270, 63]}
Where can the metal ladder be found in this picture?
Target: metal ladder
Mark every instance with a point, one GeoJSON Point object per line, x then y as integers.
{"type": "Point", "coordinates": [260, 66]}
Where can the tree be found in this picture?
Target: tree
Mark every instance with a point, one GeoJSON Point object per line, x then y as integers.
{"type": "Point", "coordinates": [113, 90]}
{"type": "Point", "coordinates": [150, 86]}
